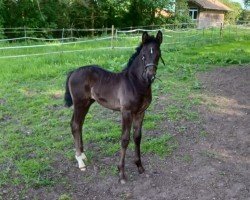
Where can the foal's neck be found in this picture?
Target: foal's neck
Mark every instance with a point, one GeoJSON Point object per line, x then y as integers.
{"type": "Point", "coordinates": [135, 74]}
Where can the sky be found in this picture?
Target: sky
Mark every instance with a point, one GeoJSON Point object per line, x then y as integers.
{"type": "Point", "coordinates": [239, 1]}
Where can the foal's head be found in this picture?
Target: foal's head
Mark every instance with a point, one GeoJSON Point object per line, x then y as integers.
{"type": "Point", "coordinates": [150, 55]}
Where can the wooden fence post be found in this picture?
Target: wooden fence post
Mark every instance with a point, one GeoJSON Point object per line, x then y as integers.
{"type": "Point", "coordinates": [112, 37]}
{"type": "Point", "coordinates": [221, 30]}
{"type": "Point", "coordinates": [116, 34]}
{"type": "Point", "coordinates": [25, 34]}
{"type": "Point", "coordinates": [71, 34]}
{"type": "Point", "coordinates": [212, 34]}
{"type": "Point", "coordinates": [62, 34]}
{"type": "Point", "coordinates": [236, 32]}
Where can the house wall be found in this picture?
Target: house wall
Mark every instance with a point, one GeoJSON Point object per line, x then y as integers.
{"type": "Point", "coordinates": [208, 18]}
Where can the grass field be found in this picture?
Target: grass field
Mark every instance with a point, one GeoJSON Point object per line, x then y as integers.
{"type": "Point", "coordinates": [34, 125]}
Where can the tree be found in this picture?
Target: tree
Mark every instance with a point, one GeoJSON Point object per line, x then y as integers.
{"type": "Point", "coordinates": [247, 3]}
{"type": "Point", "coordinates": [181, 13]}
{"type": "Point", "coordinates": [77, 14]}
{"type": "Point", "coordinates": [143, 12]}
{"type": "Point", "coordinates": [232, 17]}
{"type": "Point", "coordinates": [245, 16]}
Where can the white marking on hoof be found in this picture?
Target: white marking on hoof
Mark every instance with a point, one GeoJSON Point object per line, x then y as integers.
{"type": "Point", "coordinates": [84, 157]}
{"type": "Point", "coordinates": [122, 181]}
{"type": "Point", "coordinates": [81, 164]}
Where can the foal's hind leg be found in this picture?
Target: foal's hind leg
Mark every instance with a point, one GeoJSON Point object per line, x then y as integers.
{"type": "Point", "coordinates": [137, 124]}
{"type": "Point", "coordinates": [80, 110]}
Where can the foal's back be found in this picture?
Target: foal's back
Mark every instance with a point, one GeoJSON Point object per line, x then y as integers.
{"type": "Point", "coordinates": [92, 83]}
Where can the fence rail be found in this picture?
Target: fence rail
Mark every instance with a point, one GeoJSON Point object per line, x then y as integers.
{"type": "Point", "coordinates": [116, 39]}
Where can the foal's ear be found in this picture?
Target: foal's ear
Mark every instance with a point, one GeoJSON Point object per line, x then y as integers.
{"type": "Point", "coordinates": [159, 37]}
{"type": "Point", "coordinates": [144, 36]}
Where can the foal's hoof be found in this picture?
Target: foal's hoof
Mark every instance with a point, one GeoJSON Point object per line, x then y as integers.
{"type": "Point", "coordinates": [141, 170]}
{"type": "Point", "coordinates": [81, 164]}
{"type": "Point", "coordinates": [83, 169]}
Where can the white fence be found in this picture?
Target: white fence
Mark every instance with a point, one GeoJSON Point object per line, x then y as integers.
{"type": "Point", "coordinates": [16, 47]}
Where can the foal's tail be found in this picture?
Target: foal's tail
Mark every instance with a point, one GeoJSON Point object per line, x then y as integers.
{"type": "Point", "coordinates": [67, 95]}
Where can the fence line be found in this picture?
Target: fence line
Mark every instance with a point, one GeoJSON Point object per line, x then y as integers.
{"type": "Point", "coordinates": [54, 29]}
{"type": "Point", "coordinates": [67, 51]}
{"type": "Point", "coordinates": [75, 38]}
{"type": "Point", "coordinates": [100, 29]}
{"type": "Point", "coordinates": [138, 30]}
{"type": "Point", "coordinates": [76, 42]}
{"type": "Point", "coordinates": [53, 44]}
{"type": "Point", "coordinates": [82, 50]}
{"type": "Point", "coordinates": [71, 38]}
{"type": "Point", "coordinates": [54, 52]}
{"type": "Point", "coordinates": [35, 38]}
{"type": "Point", "coordinates": [160, 26]}
{"type": "Point", "coordinates": [156, 27]}
{"type": "Point", "coordinates": [175, 38]}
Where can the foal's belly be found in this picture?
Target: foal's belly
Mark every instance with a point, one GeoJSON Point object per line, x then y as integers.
{"type": "Point", "coordinates": [110, 105]}
{"type": "Point", "coordinates": [118, 99]}
{"type": "Point", "coordinates": [106, 99]}
{"type": "Point", "coordinates": [114, 104]}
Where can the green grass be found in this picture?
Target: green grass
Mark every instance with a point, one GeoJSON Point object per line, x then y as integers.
{"type": "Point", "coordinates": [161, 145]}
{"type": "Point", "coordinates": [187, 158]}
{"type": "Point", "coordinates": [35, 125]}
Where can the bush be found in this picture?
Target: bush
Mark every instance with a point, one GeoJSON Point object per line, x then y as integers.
{"type": "Point", "coordinates": [180, 21]}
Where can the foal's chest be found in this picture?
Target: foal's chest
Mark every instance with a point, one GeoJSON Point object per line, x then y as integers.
{"type": "Point", "coordinates": [145, 102]}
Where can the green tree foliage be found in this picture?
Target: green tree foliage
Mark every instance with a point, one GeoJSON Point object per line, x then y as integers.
{"type": "Point", "coordinates": [245, 16]}
{"type": "Point", "coordinates": [181, 13]}
{"type": "Point", "coordinates": [247, 3]}
{"type": "Point", "coordinates": [232, 16]}
{"type": "Point", "coordinates": [143, 12]}
{"type": "Point", "coordinates": [79, 13]}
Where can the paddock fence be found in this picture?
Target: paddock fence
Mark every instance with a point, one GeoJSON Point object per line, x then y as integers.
{"type": "Point", "coordinates": [41, 42]}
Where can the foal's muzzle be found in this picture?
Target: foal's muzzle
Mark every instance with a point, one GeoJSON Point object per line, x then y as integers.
{"type": "Point", "coordinates": [150, 65]}
{"type": "Point", "coordinates": [150, 69]}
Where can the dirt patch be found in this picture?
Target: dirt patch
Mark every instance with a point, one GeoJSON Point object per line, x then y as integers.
{"type": "Point", "coordinates": [226, 113]}
{"type": "Point", "coordinates": [211, 162]}
{"type": "Point", "coordinates": [2, 101]}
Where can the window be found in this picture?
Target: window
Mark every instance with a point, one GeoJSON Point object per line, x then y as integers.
{"type": "Point", "coordinates": [193, 13]}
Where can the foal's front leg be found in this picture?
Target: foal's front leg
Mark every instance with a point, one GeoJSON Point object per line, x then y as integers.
{"type": "Point", "coordinates": [126, 126]}
{"type": "Point", "coordinates": [76, 127]}
{"type": "Point", "coordinates": [137, 125]}
{"type": "Point", "coordinates": [80, 111]}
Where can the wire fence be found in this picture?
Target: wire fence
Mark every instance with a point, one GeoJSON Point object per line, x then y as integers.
{"type": "Point", "coordinates": [185, 35]}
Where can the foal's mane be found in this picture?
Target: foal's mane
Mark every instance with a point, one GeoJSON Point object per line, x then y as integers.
{"type": "Point", "coordinates": [138, 50]}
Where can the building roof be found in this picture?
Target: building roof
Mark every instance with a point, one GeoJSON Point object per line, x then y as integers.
{"type": "Point", "coordinates": [211, 5]}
